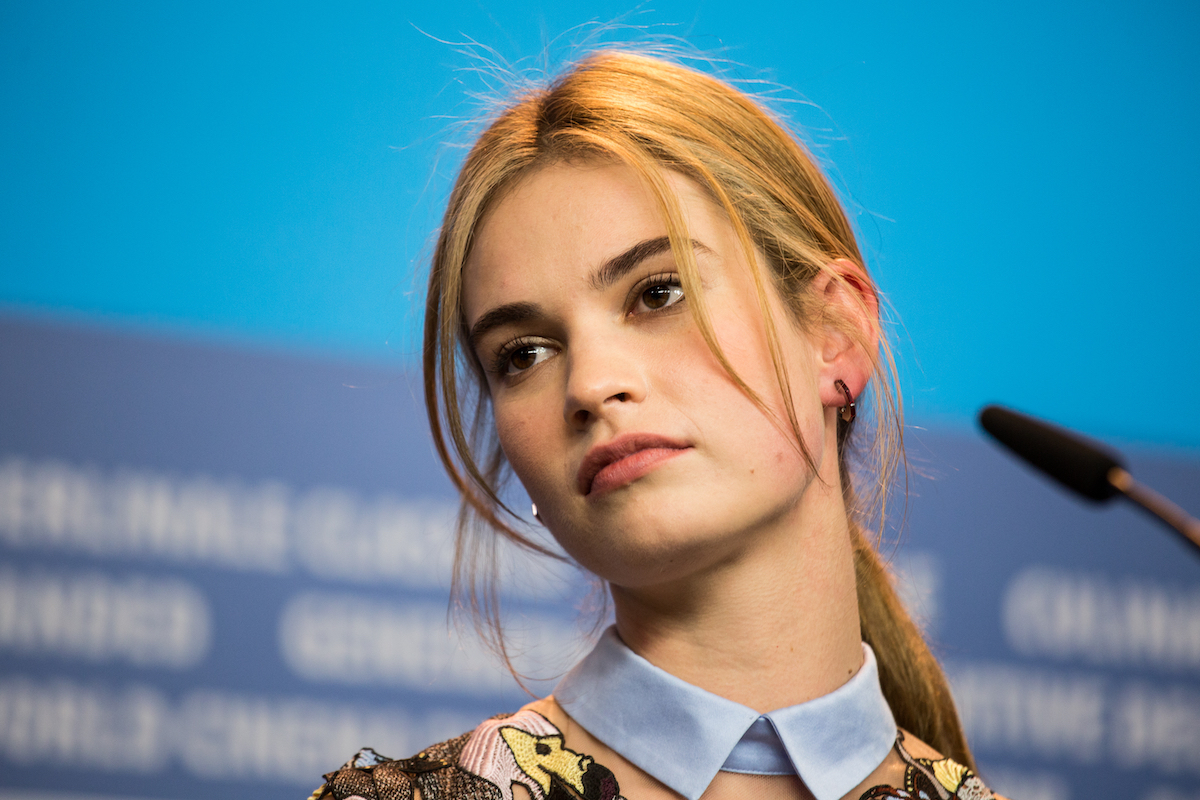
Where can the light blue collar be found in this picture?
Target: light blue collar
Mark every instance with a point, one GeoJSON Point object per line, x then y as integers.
{"type": "Point", "coordinates": [683, 735]}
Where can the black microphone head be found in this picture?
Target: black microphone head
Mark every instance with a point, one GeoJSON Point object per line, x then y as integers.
{"type": "Point", "coordinates": [1079, 465]}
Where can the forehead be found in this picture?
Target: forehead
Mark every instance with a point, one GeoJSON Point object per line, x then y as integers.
{"type": "Point", "coordinates": [562, 221]}
{"type": "Point", "coordinates": [568, 198]}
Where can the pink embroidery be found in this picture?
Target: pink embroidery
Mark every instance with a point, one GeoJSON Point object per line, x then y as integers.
{"type": "Point", "coordinates": [487, 755]}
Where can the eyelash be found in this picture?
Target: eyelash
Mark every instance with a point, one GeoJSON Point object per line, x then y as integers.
{"type": "Point", "coordinates": [669, 279]}
{"type": "Point", "coordinates": [502, 362]}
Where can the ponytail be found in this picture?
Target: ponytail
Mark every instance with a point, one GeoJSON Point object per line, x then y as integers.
{"type": "Point", "coordinates": [912, 681]}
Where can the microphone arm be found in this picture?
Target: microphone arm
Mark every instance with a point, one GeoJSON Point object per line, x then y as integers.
{"type": "Point", "coordinates": [1081, 466]}
{"type": "Point", "coordinates": [1159, 506]}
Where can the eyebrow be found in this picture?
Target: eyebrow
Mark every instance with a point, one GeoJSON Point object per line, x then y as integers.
{"type": "Point", "coordinates": [609, 273]}
{"type": "Point", "coordinates": [619, 266]}
{"type": "Point", "coordinates": [508, 314]}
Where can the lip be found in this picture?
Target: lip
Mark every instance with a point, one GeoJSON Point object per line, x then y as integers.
{"type": "Point", "coordinates": [623, 460]}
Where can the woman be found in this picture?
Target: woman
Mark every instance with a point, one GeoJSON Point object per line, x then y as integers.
{"type": "Point", "coordinates": [647, 302]}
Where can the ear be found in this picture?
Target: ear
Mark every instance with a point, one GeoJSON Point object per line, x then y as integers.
{"type": "Point", "coordinates": [849, 331]}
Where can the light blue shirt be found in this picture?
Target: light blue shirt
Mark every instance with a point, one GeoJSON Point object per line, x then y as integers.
{"type": "Point", "coordinates": [683, 735]}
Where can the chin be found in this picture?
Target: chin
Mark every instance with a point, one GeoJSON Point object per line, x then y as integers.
{"type": "Point", "coordinates": [651, 547]}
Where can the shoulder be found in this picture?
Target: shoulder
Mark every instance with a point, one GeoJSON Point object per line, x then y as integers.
{"type": "Point", "coordinates": [915, 770]}
{"type": "Point", "coordinates": [434, 773]}
{"type": "Point", "coordinates": [522, 749]}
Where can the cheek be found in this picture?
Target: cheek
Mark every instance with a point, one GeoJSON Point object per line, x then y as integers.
{"type": "Point", "coordinates": [517, 436]}
{"type": "Point", "coordinates": [694, 373]}
{"type": "Point", "coordinates": [702, 386]}
{"type": "Point", "coordinates": [525, 439]}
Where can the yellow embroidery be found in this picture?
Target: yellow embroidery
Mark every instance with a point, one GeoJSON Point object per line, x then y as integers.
{"type": "Point", "coordinates": [539, 757]}
{"type": "Point", "coordinates": [949, 773]}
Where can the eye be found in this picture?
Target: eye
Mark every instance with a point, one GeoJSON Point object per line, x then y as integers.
{"type": "Point", "coordinates": [659, 293]}
{"type": "Point", "coordinates": [521, 356]}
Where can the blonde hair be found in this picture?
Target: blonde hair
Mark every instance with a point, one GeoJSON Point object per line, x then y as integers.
{"type": "Point", "coordinates": [653, 116]}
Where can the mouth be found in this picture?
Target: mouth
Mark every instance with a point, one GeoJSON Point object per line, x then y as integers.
{"type": "Point", "coordinates": [624, 460]}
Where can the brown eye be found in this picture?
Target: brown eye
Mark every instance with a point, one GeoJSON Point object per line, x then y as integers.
{"type": "Point", "coordinates": [524, 357]}
{"type": "Point", "coordinates": [661, 295]}
{"type": "Point", "coordinates": [656, 296]}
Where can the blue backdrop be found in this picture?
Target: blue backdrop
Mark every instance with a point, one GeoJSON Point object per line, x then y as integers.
{"type": "Point", "coordinates": [214, 225]}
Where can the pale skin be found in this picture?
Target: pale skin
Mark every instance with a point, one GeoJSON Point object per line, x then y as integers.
{"type": "Point", "coordinates": [728, 558]}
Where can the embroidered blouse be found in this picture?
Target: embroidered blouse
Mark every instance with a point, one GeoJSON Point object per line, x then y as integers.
{"type": "Point", "coordinates": [675, 732]}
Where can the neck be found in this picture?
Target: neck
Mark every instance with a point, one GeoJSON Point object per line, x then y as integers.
{"type": "Point", "coordinates": [772, 625]}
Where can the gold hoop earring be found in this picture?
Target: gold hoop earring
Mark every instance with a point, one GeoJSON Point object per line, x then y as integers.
{"type": "Point", "coordinates": [848, 412]}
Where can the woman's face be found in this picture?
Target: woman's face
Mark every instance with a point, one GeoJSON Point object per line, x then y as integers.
{"type": "Point", "coordinates": [644, 458]}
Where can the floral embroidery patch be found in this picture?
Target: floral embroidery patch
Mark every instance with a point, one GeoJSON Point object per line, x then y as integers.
{"type": "Point", "coordinates": [926, 779]}
{"type": "Point", "coordinates": [527, 749]}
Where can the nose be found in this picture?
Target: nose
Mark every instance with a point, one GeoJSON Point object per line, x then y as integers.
{"type": "Point", "coordinates": [603, 379]}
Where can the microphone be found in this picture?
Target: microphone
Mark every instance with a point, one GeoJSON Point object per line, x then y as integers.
{"type": "Point", "coordinates": [1083, 467]}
